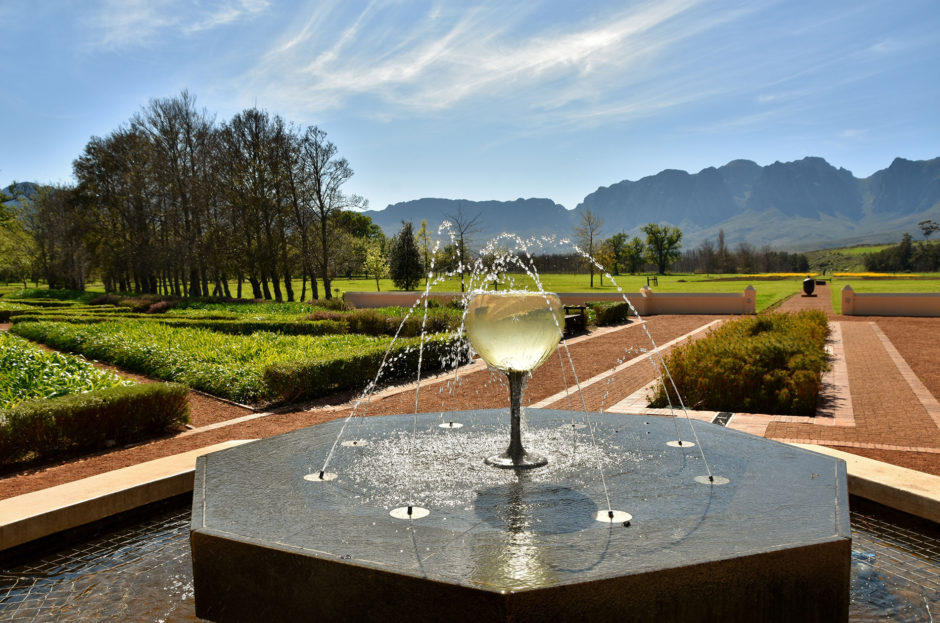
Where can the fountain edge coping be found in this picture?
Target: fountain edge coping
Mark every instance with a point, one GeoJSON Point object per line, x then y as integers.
{"type": "Point", "coordinates": [31, 516]}
{"type": "Point", "coordinates": [913, 492]}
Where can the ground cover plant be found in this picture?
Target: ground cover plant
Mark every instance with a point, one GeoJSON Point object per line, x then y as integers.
{"type": "Point", "coordinates": [230, 366]}
{"type": "Point", "coordinates": [27, 372]}
{"type": "Point", "coordinates": [771, 363]}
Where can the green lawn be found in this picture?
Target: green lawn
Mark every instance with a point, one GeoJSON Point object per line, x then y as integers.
{"type": "Point", "coordinates": [929, 284]}
{"type": "Point", "coordinates": [769, 291]}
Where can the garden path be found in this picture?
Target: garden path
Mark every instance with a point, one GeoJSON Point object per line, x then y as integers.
{"type": "Point", "coordinates": [893, 374]}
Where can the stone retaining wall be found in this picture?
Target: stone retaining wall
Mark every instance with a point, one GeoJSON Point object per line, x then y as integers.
{"type": "Point", "coordinates": [645, 301]}
{"type": "Point", "coordinates": [889, 303]}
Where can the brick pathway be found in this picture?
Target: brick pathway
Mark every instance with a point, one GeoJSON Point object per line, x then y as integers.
{"type": "Point", "coordinates": [896, 416]}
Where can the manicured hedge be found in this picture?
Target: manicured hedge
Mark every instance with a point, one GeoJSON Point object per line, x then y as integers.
{"type": "Point", "coordinates": [762, 364]}
{"type": "Point", "coordinates": [10, 309]}
{"type": "Point", "coordinates": [381, 322]}
{"type": "Point", "coordinates": [93, 420]}
{"type": "Point", "coordinates": [296, 380]}
{"type": "Point", "coordinates": [610, 312]}
{"type": "Point", "coordinates": [247, 327]}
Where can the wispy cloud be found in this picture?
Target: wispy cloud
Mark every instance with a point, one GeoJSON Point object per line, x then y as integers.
{"type": "Point", "coordinates": [488, 53]}
{"type": "Point", "coordinates": [120, 24]}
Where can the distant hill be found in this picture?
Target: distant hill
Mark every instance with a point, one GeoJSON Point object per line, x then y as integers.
{"type": "Point", "coordinates": [525, 217]}
{"type": "Point", "coordinates": [803, 204]}
{"type": "Point", "coordinates": [800, 205]}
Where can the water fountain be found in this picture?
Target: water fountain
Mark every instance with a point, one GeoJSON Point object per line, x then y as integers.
{"type": "Point", "coordinates": [612, 520]}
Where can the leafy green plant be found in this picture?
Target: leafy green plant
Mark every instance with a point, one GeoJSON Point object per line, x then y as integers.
{"type": "Point", "coordinates": [28, 372]}
{"type": "Point", "coordinates": [763, 364]}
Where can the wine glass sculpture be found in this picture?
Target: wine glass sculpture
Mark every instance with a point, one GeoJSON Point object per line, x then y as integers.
{"type": "Point", "coordinates": [515, 332]}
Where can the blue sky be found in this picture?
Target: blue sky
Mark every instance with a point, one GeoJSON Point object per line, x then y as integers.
{"type": "Point", "coordinates": [488, 100]}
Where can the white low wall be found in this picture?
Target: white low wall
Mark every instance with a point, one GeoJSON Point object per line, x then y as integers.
{"type": "Point", "coordinates": [889, 303]}
{"type": "Point", "coordinates": [646, 301]}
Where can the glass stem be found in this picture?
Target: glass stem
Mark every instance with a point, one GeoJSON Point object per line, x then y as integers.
{"type": "Point", "coordinates": [516, 385]}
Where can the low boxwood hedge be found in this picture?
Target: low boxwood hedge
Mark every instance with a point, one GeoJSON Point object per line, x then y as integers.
{"type": "Point", "coordinates": [762, 364]}
{"type": "Point", "coordinates": [93, 420]}
{"type": "Point", "coordinates": [297, 380]}
{"type": "Point", "coordinates": [247, 327]}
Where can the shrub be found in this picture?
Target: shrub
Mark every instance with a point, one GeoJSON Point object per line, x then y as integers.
{"type": "Point", "coordinates": [328, 315]}
{"type": "Point", "coordinates": [247, 327]}
{"type": "Point", "coordinates": [610, 312]}
{"type": "Point", "coordinates": [377, 322]}
{"type": "Point", "coordinates": [91, 420]}
{"type": "Point", "coordinates": [9, 309]}
{"type": "Point", "coordinates": [161, 307]}
{"type": "Point", "coordinates": [765, 364]}
{"type": "Point", "coordinates": [231, 366]}
{"type": "Point", "coordinates": [105, 299]}
{"type": "Point", "coordinates": [298, 380]}
{"type": "Point", "coordinates": [335, 304]}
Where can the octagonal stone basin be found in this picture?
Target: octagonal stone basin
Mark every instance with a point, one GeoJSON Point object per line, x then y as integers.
{"type": "Point", "coordinates": [773, 543]}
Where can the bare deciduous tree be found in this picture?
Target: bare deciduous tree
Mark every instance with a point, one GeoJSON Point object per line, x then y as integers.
{"type": "Point", "coordinates": [587, 235]}
{"type": "Point", "coordinates": [464, 229]}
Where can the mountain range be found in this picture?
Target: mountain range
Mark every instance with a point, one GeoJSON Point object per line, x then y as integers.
{"type": "Point", "coordinates": [800, 205]}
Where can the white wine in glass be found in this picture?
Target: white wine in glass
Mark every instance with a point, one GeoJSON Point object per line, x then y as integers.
{"type": "Point", "coordinates": [515, 332]}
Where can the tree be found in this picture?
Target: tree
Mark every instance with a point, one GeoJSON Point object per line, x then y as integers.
{"type": "Point", "coordinates": [375, 263]}
{"type": "Point", "coordinates": [928, 227]}
{"type": "Point", "coordinates": [587, 237]}
{"type": "Point", "coordinates": [328, 173]}
{"type": "Point", "coordinates": [614, 248]}
{"type": "Point", "coordinates": [404, 259]}
{"type": "Point", "coordinates": [663, 244]}
{"type": "Point", "coordinates": [634, 254]}
{"type": "Point", "coordinates": [424, 241]}
{"type": "Point", "coordinates": [464, 228]}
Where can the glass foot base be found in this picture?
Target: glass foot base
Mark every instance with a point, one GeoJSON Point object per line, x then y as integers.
{"type": "Point", "coordinates": [528, 460]}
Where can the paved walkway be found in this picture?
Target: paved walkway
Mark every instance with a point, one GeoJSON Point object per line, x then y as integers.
{"type": "Point", "coordinates": [874, 404]}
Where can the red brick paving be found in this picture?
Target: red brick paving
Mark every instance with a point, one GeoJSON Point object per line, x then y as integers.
{"type": "Point", "coordinates": [892, 423]}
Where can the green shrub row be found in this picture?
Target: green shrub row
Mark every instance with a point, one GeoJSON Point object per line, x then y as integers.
{"type": "Point", "coordinates": [247, 327]}
{"type": "Point", "coordinates": [386, 321]}
{"type": "Point", "coordinates": [610, 312]}
{"type": "Point", "coordinates": [57, 295]}
{"type": "Point", "coordinates": [764, 364]}
{"type": "Point", "coordinates": [93, 420]}
{"type": "Point", "coordinates": [7, 310]}
{"type": "Point", "coordinates": [311, 378]}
